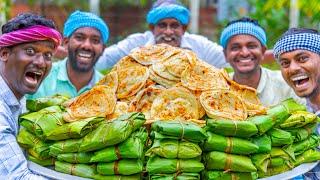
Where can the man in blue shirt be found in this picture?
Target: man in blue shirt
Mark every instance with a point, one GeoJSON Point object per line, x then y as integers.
{"type": "Point", "coordinates": [168, 21]}
{"type": "Point", "coordinates": [298, 53]}
{"type": "Point", "coordinates": [85, 36]}
{"type": "Point", "coordinates": [26, 47]}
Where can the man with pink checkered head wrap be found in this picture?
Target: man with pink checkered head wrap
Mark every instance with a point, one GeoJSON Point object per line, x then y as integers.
{"type": "Point", "coordinates": [26, 47]}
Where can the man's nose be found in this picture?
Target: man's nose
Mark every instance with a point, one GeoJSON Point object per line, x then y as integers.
{"type": "Point", "coordinates": [40, 60]}
{"type": "Point", "coordinates": [87, 44]}
{"type": "Point", "coordinates": [168, 30]}
{"type": "Point", "coordinates": [244, 51]}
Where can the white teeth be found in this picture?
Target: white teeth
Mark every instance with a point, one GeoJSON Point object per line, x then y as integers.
{"type": "Point", "coordinates": [86, 55]}
{"type": "Point", "coordinates": [167, 39]}
{"type": "Point", "coordinates": [297, 78]}
{"type": "Point", "coordinates": [38, 73]}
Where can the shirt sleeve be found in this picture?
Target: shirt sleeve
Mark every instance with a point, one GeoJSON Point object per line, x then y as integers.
{"type": "Point", "coordinates": [13, 164]}
{"type": "Point", "coordinates": [114, 53]}
{"type": "Point", "coordinates": [213, 54]}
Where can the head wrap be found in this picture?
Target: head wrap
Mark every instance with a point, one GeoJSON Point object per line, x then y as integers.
{"type": "Point", "coordinates": [30, 34]}
{"type": "Point", "coordinates": [80, 19]}
{"type": "Point", "coordinates": [238, 28]}
{"type": "Point", "coordinates": [168, 9]}
{"type": "Point", "coordinates": [291, 42]}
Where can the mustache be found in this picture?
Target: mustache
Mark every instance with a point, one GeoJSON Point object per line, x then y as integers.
{"type": "Point", "coordinates": [161, 36]}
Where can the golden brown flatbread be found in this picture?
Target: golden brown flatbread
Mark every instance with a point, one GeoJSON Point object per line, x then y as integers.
{"type": "Point", "coordinates": [110, 80]}
{"type": "Point", "coordinates": [121, 108]}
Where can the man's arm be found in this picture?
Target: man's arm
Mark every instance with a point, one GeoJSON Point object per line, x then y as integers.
{"type": "Point", "coordinates": [213, 54]}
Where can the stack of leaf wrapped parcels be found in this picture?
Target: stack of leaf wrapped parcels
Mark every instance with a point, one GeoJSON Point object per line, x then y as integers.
{"type": "Point", "coordinates": [162, 113]}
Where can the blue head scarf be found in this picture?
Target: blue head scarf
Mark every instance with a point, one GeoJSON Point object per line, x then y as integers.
{"type": "Point", "coordinates": [80, 19]}
{"type": "Point", "coordinates": [242, 27]}
{"type": "Point", "coordinates": [168, 9]}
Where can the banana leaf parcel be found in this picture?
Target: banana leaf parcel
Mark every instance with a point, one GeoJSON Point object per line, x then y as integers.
{"type": "Point", "coordinates": [300, 147]}
{"type": "Point", "coordinates": [111, 133]}
{"type": "Point", "coordinates": [273, 171]}
{"type": "Point", "coordinates": [42, 122]}
{"type": "Point", "coordinates": [231, 145]}
{"type": "Point", "coordinates": [299, 119]}
{"type": "Point", "coordinates": [132, 148]}
{"type": "Point", "coordinates": [242, 129]}
{"type": "Point", "coordinates": [261, 161]}
{"type": "Point", "coordinates": [76, 129]}
{"type": "Point", "coordinates": [308, 156]}
{"type": "Point", "coordinates": [263, 142]}
{"type": "Point", "coordinates": [157, 165]}
{"type": "Point", "coordinates": [169, 148]}
{"type": "Point", "coordinates": [45, 162]}
{"type": "Point", "coordinates": [121, 167]}
{"type": "Point", "coordinates": [263, 123]}
{"type": "Point", "coordinates": [302, 133]}
{"type": "Point", "coordinates": [280, 137]}
{"type": "Point", "coordinates": [222, 161]}
{"type": "Point", "coordinates": [176, 176]}
{"type": "Point", "coordinates": [279, 113]}
{"type": "Point", "coordinates": [292, 106]}
{"type": "Point", "coordinates": [184, 130]}
{"type": "Point", "coordinates": [220, 175]}
{"type": "Point", "coordinates": [33, 144]}
{"type": "Point", "coordinates": [43, 102]}
{"type": "Point", "coordinates": [75, 158]}
{"type": "Point", "coordinates": [82, 170]}
{"type": "Point", "coordinates": [66, 146]}
{"type": "Point", "coordinates": [279, 156]}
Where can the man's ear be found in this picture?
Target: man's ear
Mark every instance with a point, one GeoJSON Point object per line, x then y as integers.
{"type": "Point", "coordinates": [264, 48]}
{"type": "Point", "coordinates": [4, 54]}
{"type": "Point", "coordinates": [185, 27]}
{"type": "Point", "coordinates": [151, 27]}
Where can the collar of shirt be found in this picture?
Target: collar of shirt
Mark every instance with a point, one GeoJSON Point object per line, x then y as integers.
{"type": "Point", "coordinates": [184, 43]}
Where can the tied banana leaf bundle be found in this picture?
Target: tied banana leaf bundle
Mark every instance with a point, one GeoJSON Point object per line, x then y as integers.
{"type": "Point", "coordinates": [261, 161]}
{"type": "Point", "coordinates": [263, 123]}
{"type": "Point", "coordinates": [273, 171]}
{"type": "Point", "coordinates": [82, 170]}
{"type": "Point", "coordinates": [132, 148]}
{"type": "Point", "coordinates": [66, 146]}
{"type": "Point", "coordinates": [121, 167]}
{"type": "Point", "coordinates": [157, 165]}
{"type": "Point", "coordinates": [44, 162]}
{"type": "Point", "coordinates": [300, 147]}
{"type": "Point", "coordinates": [280, 137]}
{"type": "Point", "coordinates": [279, 113]}
{"type": "Point", "coordinates": [75, 158]}
{"type": "Point", "coordinates": [292, 106]}
{"type": "Point", "coordinates": [221, 175]}
{"type": "Point", "coordinates": [184, 130]}
{"type": "Point", "coordinates": [298, 119]}
{"type": "Point", "coordinates": [229, 162]}
{"type": "Point", "coordinates": [308, 156]}
{"type": "Point", "coordinates": [118, 177]}
{"type": "Point", "coordinates": [171, 149]}
{"type": "Point", "coordinates": [176, 176]}
{"type": "Point", "coordinates": [75, 129]}
{"type": "Point", "coordinates": [41, 123]}
{"type": "Point", "coordinates": [279, 156]}
{"type": "Point", "coordinates": [231, 145]}
{"type": "Point", "coordinates": [263, 142]}
{"type": "Point", "coordinates": [111, 133]}
{"type": "Point", "coordinates": [302, 133]}
{"type": "Point", "coordinates": [43, 102]}
{"type": "Point", "coordinates": [242, 129]}
{"type": "Point", "coordinates": [33, 144]}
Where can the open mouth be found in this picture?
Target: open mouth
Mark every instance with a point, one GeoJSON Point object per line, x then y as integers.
{"type": "Point", "coordinates": [87, 56]}
{"type": "Point", "coordinates": [300, 80]}
{"type": "Point", "coordinates": [33, 77]}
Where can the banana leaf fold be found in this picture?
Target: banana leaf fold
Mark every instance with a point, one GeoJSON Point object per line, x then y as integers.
{"type": "Point", "coordinates": [308, 156]}
{"type": "Point", "coordinates": [221, 175]}
{"type": "Point", "coordinates": [65, 146]}
{"type": "Point", "coordinates": [263, 142]}
{"type": "Point", "coordinates": [43, 102]}
{"type": "Point", "coordinates": [261, 161]}
{"type": "Point", "coordinates": [302, 133]}
{"type": "Point", "coordinates": [75, 158]}
{"type": "Point", "coordinates": [280, 137]}
{"type": "Point", "coordinates": [302, 146]}
{"type": "Point", "coordinates": [176, 176]}
{"type": "Point", "coordinates": [121, 167]}
{"type": "Point", "coordinates": [263, 123]}
{"type": "Point", "coordinates": [42, 162]}
{"type": "Point", "coordinates": [298, 119]}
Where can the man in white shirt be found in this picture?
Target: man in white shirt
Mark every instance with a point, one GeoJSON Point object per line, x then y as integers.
{"type": "Point", "coordinates": [244, 42]}
{"type": "Point", "coordinates": [168, 21]}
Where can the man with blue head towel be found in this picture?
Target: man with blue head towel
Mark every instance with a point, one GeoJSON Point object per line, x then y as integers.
{"type": "Point", "coordinates": [244, 42]}
{"type": "Point", "coordinates": [85, 36]}
{"type": "Point", "coordinates": [168, 21]}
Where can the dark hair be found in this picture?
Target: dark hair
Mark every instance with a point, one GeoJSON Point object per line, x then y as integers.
{"type": "Point", "coordinates": [25, 20]}
{"type": "Point", "coordinates": [245, 19]}
{"type": "Point", "coordinates": [299, 30]}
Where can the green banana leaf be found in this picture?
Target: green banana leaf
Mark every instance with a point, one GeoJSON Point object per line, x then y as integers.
{"type": "Point", "coordinates": [279, 156]}
{"type": "Point", "coordinates": [302, 133]}
{"type": "Point", "coordinates": [82, 170]}
{"type": "Point", "coordinates": [75, 158]}
{"type": "Point", "coordinates": [242, 129]}
{"type": "Point", "coordinates": [263, 142]}
{"type": "Point", "coordinates": [280, 137]}
{"type": "Point", "coordinates": [157, 165]}
{"type": "Point", "coordinates": [308, 156]}
{"type": "Point", "coordinates": [65, 146]}
{"type": "Point", "coordinates": [35, 145]}
{"type": "Point", "coordinates": [118, 177]}
{"type": "Point", "coordinates": [184, 130]}
{"type": "Point", "coordinates": [42, 122]}
{"type": "Point", "coordinates": [261, 161]}
{"type": "Point", "coordinates": [132, 148]}
{"type": "Point", "coordinates": [44, 162]}
{"type": "Point", "coordinates": [279, 161]}
{"type": "Point", "coordinates": [298, 119]}
{"type": "Point", "coordinates": [178, 176]}
{"type": "Point", "coordinates": [279, 113]}
{"type": "Point", "coordinates": [292, 106]}
{"type": "Point", "coordinates": [220, 175]}
{"type": "Point", "coordinates": [111, 133]}
{"type": "Point", "coordinates": [231, 145]}
{"type": "Point", "coordinates": [121, 167]}
{"type": "Point", "coordinates": [173, 149]}
{"type": "Point", "coordinates": [302, 146]}
{"type": "Point", "coordinates": [263, 123]}
{"type": "Point", "coordinates": [75, 129]}
{"type": "Point", "coordinates": [43, 102]}
{"type": "Point", "coordinates": [273, 171]}
{"type": "Point", "coordinates": [222, 161]}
